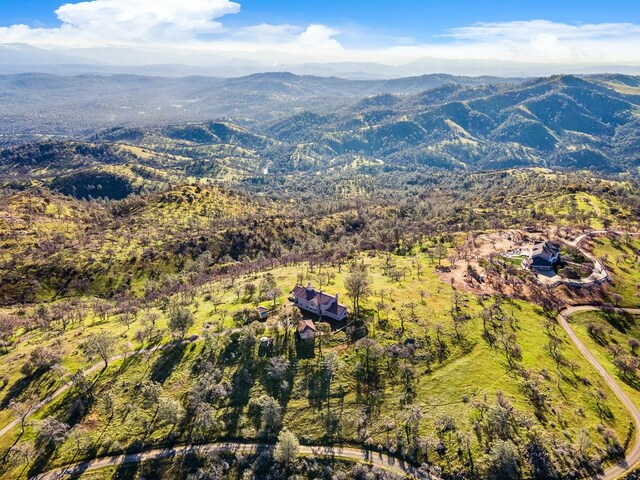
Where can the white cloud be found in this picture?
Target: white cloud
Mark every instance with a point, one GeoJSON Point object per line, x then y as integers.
{"type": "Point", "coordinates": [174, 27]}
{"type": "Point", "coordinates": [107, 22]}
{"type": "Point", "coordinates": [526, 30]}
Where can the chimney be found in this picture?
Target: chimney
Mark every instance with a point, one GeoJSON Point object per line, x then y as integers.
{"type": "Point", "coordinates": [308, 285]}
{"type": "Point", "coordinates": [336, 297]}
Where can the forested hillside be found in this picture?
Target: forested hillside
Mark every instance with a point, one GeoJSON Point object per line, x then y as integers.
{"type": "Point", "coordinates": [557, 122]}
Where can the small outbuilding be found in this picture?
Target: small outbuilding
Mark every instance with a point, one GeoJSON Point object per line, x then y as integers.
{"type": "Point", "coordinates": [263, 312]}
{"type": "Point", "coordinates": [307, 329]}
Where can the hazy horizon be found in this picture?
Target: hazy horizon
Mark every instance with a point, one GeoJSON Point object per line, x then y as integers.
{"type": "Point", "coordinates": [378, 40]}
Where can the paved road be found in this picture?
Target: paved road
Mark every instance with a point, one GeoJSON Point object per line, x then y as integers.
{"type": "Point", "coordinates": [633, 456]}
{"type": "Point", "coordinates": [580, 238]}
{"type": "Point", "coordinates": [372, 458]}
{"type": "Point", "coordinates": [383, 461]}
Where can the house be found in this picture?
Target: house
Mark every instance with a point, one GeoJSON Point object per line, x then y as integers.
{"type": "Point", "coordinates": [307, 329]}
{"type": "Point", "coordinates": [544, 255]}
{"type": "Point", "coordinates": [263, 312]}
{"type": "Point", "coordinates": [317, 302]}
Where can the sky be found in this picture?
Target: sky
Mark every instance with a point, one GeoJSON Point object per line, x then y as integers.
{"type": "Point", "coordinates": [559, 32]}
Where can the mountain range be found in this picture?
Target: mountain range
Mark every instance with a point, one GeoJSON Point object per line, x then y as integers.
{"type": "Point", "coordinates": [280, 123]}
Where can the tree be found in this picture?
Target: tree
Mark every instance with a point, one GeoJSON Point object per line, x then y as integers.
{"type": "Point", "coordinates": [23, 410]}
{"type": "Point", "coordinates": [52, 432]}
{"type": "Point", "coordinates": [277, 369]}
{"type": "Point", "coordinates": [504, 460]}
{"type": "Point", "coordinates": [102, 344]}
{"type": "Point", "coordinates": [245, 316]}
{"type": "Point", "coordinates": [43, 358]}
{"type": "Point", "coordinates": [267, 284]}
{"type": "Point", "coordinates": [324, 332]}
{"type": "Point", "coordinates": [358, 286]}
{"type": "Point", "coordinates": [250, 290]}
{"type": "Point", "coordinates": [169, 412]}
{"type": "Point", "coordinates": [180, 320]}
{"type": "Point", "coordinates": [367, 371]}
{"type": "Point", "coordinates": [203, 420]}
{"type": "Point", "coordinates": [20, 454]}
{"type": "Point", "coordinates": [273, 295]}
{"type": "Point", "coordinates": [109, 403]}
{"type": "Point", "coordinates": [270, 416]}
{"type": "Point", "coordinates": [291, 321]}
{"type": "Point", "coordinates": [287, 448]}
{"type": "Point", "coordinates": [266, 414]}
{"type": "Point", "coordinates": [150, 392]}
{"type": "Point", "coordinates": [330, 366]}
{"type": "Point", "coordinates": [79, 438]}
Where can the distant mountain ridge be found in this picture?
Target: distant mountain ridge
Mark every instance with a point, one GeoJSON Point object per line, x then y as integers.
{"type": "Point", "coordinates": [564, 121]}
{"type": "Point", "coordinates": [73, 105]}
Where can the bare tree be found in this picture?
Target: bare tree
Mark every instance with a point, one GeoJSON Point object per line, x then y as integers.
{"type": "Point", "coordinates": [23, 410]}
{"type": "Point", "coordinates": [358, 285]}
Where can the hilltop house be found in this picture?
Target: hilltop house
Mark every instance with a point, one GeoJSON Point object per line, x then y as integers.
{"type": "Point", "coordinates": [318, 302]}
{"type": "Point", "coordinates": [544, 255]}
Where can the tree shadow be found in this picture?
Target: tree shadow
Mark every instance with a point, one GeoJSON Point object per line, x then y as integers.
{"type": "Point", "coordinates": [242, 382]}
{"type": "Point", "coordinates": [305, 349]}
{"type": "Point", "coordinates": [21, 386]}
{"type": "Point", "coordinates": [126, 471]}
{"type": "Point", "coordinates": [165, 363]}
{"type": "Point", "coordinates": [621, 321]}
{"type": "Point", "coordinates": [43, 456]}
{"type": "Point", "coordinates": [316, 388]}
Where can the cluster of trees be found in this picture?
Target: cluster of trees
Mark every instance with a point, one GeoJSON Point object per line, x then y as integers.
{"type": "Point", "coordinates": [225, 231]}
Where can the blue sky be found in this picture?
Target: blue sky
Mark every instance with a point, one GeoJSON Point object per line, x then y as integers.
{"type": "Point", "coordinates": [550, 32]}
{"type": "Point", "coordinates": [418, 19]}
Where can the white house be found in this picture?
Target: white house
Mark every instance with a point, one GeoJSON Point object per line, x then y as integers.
{"type": "Point", "coordinates": [318, 302]}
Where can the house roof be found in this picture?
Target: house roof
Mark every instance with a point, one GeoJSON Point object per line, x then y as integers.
{"type": "Point", "coordinates": [262, 309]}
{"type": "Point", "coordinates": [311, 294]}
{"type": "Point", "coordinates": [304, 325]}
{"type": "Point", "coordinates": [544, 252]}
{"type": "Point", "coordinates": [314, 296]}
{"type": "Point", "coordinates": [337, 309]}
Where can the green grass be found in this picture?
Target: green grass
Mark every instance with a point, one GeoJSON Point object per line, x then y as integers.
{"type": "Point", "coordinates": [618, 330]}
{"type": "Point", "coordinates": [620, 257]}
{"type": "Point", "coordinates": [472, 372]}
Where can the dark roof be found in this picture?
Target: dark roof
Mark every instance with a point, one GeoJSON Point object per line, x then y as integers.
{"type": "Point", "coordinates": [310, 293]}
{"type": "Point", "coordinates": [542, 252]}
{"type": "Point", "coordinates": [262, 309]}
{"type": "Point", "coordinates": [306, 324]}
{"type": "Point", "coordinates": [336, 309]}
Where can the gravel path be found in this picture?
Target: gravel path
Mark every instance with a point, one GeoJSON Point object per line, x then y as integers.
{"type": "Point", "coordinates": [373, 458]}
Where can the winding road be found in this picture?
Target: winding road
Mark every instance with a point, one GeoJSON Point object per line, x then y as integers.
{"type": "Point", "coordinates": [633, 456]}
{"type": "Point", "coordinates": [386, 462]}
{"type": "Point", "coordinates": [62, 389]}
